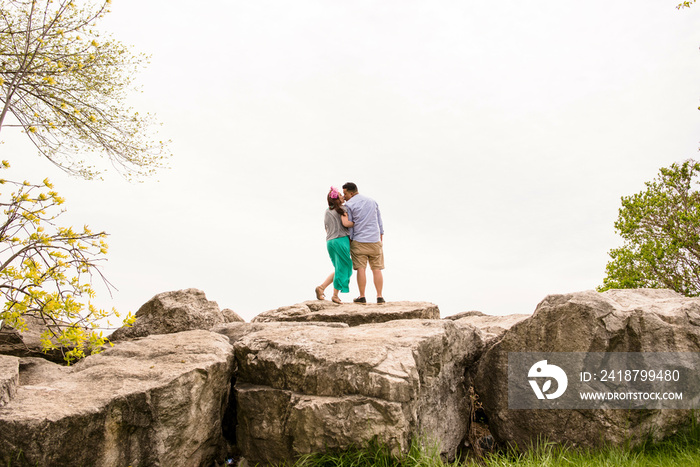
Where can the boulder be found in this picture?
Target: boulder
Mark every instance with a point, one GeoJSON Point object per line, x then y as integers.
{"type": "Point", "coordinates": [491, 326]}
{"type": "Point", "coordinates": [310, 388]}
{"type": "Point", "coordinates": [9, 378]}
{"type": "Point", "coordinates": [642, 320]}
{"type": "Point", "coordinates": [171, 312]}
{"type": "Point", "coordinates": [353, 314]}
{"type": "Point", "coordinates": [231, 316]}
{"type": "Point", "coordinates": [236, 331]}
{"type": "Point", "coordinates": [27, 343]}
{"type": "Point", "coordinates": [35, 371]}
{"type": "Point", "coordinates": [154, 401]}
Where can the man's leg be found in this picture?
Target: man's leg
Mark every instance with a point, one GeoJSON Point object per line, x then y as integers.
{"type": "Point", "coordinates": [378, 281]}
{"type": "Point", "coordinates": [362, 280]}
{"type": "Point", "coordinates": [376, 264]}
{"type": "Point", "coordinates": [361, 284]}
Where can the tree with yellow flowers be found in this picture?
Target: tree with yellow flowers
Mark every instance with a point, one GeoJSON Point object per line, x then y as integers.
{"type": "Point", "coordinates": [64, 85]}
{"type": "Point", "coordinates": [46, 270]}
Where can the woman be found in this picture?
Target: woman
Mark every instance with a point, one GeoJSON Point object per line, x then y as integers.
{"type": "Point", "coordinates": [338, 245]}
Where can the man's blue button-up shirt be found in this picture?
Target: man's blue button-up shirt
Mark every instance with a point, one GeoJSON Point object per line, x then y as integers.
{"type": "Point", "coordinates": [364, 212]}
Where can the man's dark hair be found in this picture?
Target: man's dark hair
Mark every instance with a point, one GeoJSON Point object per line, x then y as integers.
{"type": "Point", "coordinates": [351, 187]}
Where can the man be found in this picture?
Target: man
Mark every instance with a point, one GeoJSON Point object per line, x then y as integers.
{"type": "Point", "coordinates": [366, 237]}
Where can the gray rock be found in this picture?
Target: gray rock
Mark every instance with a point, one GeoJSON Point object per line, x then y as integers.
{"type": "Point", "coordinates": [235, 331]}
{"type": "Point", "coordinates": [231, 316]}
{"type": "Point", "coordinates": [9, 378]}
{"type": "Point", "coordinates": [303, 389]}
{"type": "Point", "coordinates": [154, 401]}
{"type": "Point", "coordinates": [491, 326]}
{"type": "Point", "coordinates": [170, 312]}
{"type": "Point", "coordinates": [642, 320]}
{"type": "Point", "coordinates": [312, 377]}
{"type": "Point", "coordinates": [37, 371]}
{"type": "Point", "coordinates": [27, 343]}
{"type": "Point", "coordinates": [350, 313]}
{"type": "Point", "coordinates": [465, 314]}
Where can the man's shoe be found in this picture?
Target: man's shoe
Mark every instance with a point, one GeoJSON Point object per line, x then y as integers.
{"type": "Point", "coordinates": [380, 300]}
{"type": "Point", "coordinates": [360, 300]}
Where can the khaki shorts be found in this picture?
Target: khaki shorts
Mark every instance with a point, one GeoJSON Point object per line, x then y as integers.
{"type": "Point", "coordinates": [362, 252]}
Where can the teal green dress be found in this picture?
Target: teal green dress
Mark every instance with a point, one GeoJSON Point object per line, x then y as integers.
{"type": "Point", "coordinates": [338, 245]}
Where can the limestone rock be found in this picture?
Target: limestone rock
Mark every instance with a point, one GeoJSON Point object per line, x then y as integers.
{"type": "Point", "coordinates": [28, 342]}
{"type": "Point", "coordinates": [310, 388]}
{"type": "Point", "coordinates": [492, 326]}
{"type": "Point", "coordinates": [231, 316]}
{"type": "Point", "coordinates": [235, 331]}
{"type": "Point", "coordinates": [38, 371]}
{"type": "Point", "coordinates": [170, 312]}
{"type": "Point", "coordinates": [9, 378]}
{"type": "Point", "coordinates": [642, 320]}
{"type": "Point", "coordinates": [353, 314]}
{"type": "Point", "coordinates": [154, 401]}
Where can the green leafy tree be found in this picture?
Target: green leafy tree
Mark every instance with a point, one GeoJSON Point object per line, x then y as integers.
{"type": "Point", "coordinates": [65, 86]}
{"type": "Point", "coordinates": [47, 270]}
{"type": "Point", "coordinates": [661, 231]}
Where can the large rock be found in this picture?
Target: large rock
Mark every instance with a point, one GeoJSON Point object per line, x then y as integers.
{"type": "Point", "coordinates": [303, 389]}
{"type": "Point", "coordinates": [154, 401]}
{"type": "Point", "coordinates": [353, 314]}
{"type": "Point", "coordinates": [491, 326]}
{"type": "Point", "coordinates": [236, 331]}
{"type": "Point", "coordinates": [27, 343]}
{"type": "Point", "coordinates": [9, 378]}
{"type": "Point", "coordinates": [644, 320]}
{"type": "Point", "coordinates": [177, 311]}
{"type": "Point", "coordinates": [231, 316]}
{"type": "Point", "coordinates": [35, 371]}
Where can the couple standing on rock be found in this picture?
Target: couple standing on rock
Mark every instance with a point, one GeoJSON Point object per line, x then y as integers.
{"type": "Point", "coordinates": [354, 236]}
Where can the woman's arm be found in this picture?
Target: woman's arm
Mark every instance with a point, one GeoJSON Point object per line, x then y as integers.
{"type": "Point", "coordinates": [346, 222]}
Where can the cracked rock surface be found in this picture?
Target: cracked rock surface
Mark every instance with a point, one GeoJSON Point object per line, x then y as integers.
{"type": "Point", "coordinates": [353, 314]}
{"type": "Point", "coordinates": [634, 320]}
{"type": "Point", "coordinates": [309, 388]}
{"type": "Point", "coordinates": [153, 401]}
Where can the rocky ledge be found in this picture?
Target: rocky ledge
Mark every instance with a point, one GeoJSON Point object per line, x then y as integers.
{"type": "Point", "coordinates": [156, 401]}
{"type": "Point", "coordinates": [317, 375]}
{"type": "Point", "coordinates": [640, 320]}
{"type": "Point", "coordinates": [307, 388]}
{"type": "Point", "coordinates": [353, 314]}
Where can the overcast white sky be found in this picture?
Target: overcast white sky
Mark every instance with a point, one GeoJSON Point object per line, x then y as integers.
{"type": "Point", "coordinates": [497, 138]}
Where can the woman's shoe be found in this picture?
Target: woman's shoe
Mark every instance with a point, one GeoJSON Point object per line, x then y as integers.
{"type": "Point", "coordinates": [319, 293]}
{"type": "Point", "coordinates": [336, 300]}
